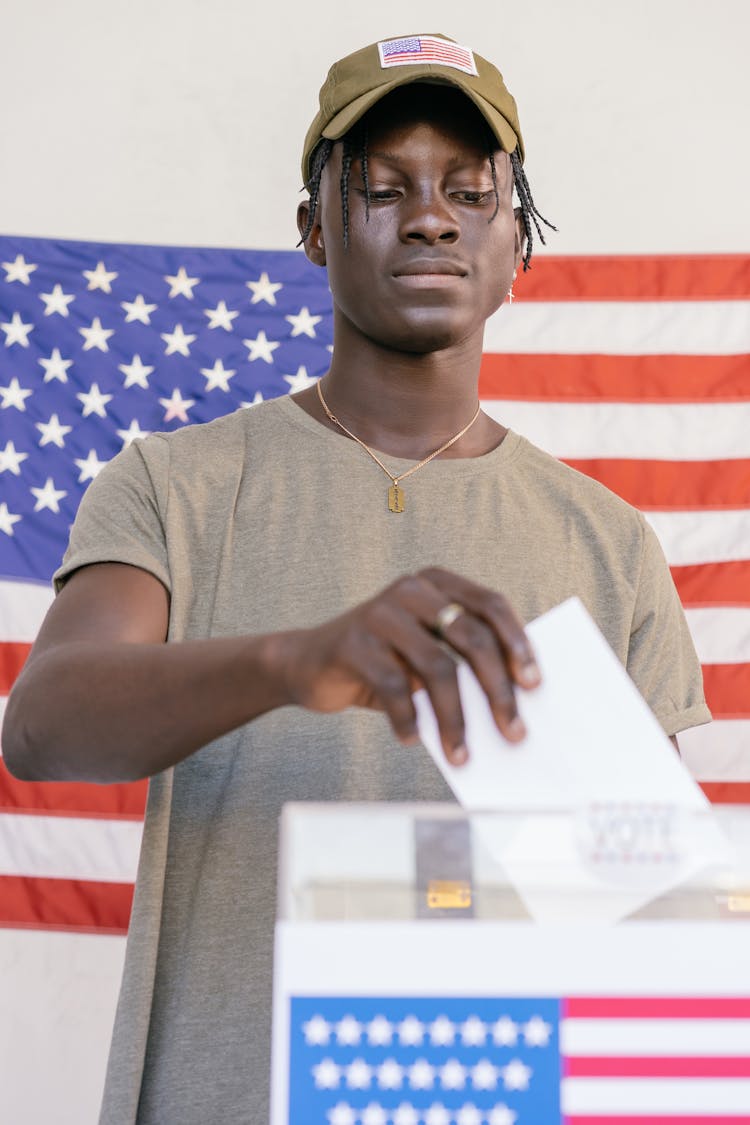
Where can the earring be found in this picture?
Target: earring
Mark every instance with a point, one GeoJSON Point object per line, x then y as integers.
{"type": "Point", "coordinates": [510, 291]}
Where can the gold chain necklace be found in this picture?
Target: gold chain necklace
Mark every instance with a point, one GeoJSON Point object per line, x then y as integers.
{"type": "Point", "coordinates": [395, 492]}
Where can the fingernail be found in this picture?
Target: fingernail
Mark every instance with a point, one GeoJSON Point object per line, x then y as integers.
{"type": "Point", "coordinates": [459, 755]}
{"type": "Point", "coordinates": [530, 674]}
{"type": "Point", "coordinates": [516, 728]}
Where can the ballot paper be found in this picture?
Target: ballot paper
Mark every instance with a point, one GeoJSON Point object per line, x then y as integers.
{"type": "Point", "coordinates": [609, 806]}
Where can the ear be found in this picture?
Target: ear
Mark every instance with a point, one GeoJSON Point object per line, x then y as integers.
{"type": "Point", "coordinates": [520, 238]}
{"type": "Point", "coordinates": [314, 246]}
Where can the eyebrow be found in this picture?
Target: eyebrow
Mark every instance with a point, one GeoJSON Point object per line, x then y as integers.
{"type": "Point", "coordinates": [394, 158]}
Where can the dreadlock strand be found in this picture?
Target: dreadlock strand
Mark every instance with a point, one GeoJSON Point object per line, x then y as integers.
{"type": "Point", "coordinates": [493, 170]}
{"type": "Point", "coordinates": [346, 167]}
{"type": "Point", "coordinates": [322, 152]}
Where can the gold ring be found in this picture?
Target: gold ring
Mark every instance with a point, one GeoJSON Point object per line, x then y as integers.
{"type": "Point", "coordinates": [445, 618]}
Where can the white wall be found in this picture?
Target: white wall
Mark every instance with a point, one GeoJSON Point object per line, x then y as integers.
{"type": "Point", "coordinates": [181, 120]}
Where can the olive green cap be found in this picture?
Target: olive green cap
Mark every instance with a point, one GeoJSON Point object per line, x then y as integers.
{"type": "Point", "coordinates": [356, 83]}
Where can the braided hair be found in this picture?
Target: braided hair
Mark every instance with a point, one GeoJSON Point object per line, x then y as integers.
{"type": "Point", "coordinates": [355, 143]}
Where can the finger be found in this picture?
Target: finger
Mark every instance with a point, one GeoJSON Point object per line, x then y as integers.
{"type": "Point", "coordinates": [496, 611]}
{"type": "Point", "coordinates": [427, 661]}
{"type": "Point", "coordinates": [388, 683]}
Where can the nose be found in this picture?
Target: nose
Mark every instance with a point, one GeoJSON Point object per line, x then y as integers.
{"type": "Point", "coordinates": [428, 217]}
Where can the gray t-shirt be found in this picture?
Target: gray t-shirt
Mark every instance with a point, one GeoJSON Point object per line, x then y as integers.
{"type": "Point", "coordinates": [266, 520]}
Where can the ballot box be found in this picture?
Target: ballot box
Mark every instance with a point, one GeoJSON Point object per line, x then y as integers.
{"type": "Point", "coordinates": [435, 968]}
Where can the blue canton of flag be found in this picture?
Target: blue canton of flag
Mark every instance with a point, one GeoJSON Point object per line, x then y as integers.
{"type": "Point", "coordinates": [402, 47]}
{"type": "Point", "coordinates": [425, 1061]}
{"type": "Point", "coordinates": [101, 344]}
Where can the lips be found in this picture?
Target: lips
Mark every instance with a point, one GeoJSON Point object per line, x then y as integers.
{"type": "Point", "coordinates": [418, 267]}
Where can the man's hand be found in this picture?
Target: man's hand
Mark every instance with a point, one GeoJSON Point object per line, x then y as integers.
{"type": "Point", "coordinates": [380, 652]}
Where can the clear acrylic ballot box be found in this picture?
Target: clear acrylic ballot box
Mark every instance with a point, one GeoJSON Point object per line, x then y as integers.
{"type": "Point", "coordinates": [439, 968]}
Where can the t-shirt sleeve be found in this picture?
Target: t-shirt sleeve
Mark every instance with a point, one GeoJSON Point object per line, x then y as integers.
{"type": "Point", "coordinates": [661, 658]}
{"type": "Point", "coordinates": [122, 515]}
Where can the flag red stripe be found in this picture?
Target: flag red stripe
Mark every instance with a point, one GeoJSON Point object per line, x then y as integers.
{"type": "Point", "coordinates": [656, 1067]}
{"type": "Point", "coordinates": [727, 688]}
{"type": "Point", "coordinates": [12, 658]}
{"type": "Point", "coordinates": [727, 792]}
{"type": "Point", "coordinates": [653, 1119]}
{"type": "Point", "coordinates": [65, 904]}
{"type": "Point", "coordinates": [657, 1007]}
{"type": "Point", "coordinates": [714, 584]}
{"type": "Point", "coordinates": [630, 277]}
{"type": "Point", "coordinates": [614, 378]}
{"type": "Point", "coordinates": [72, 798]}
{"type": "Point", "coordinates": [673, 485]}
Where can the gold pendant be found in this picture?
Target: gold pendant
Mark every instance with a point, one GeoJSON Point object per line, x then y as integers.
{"type": "Point", "coordinates": [395, 498]}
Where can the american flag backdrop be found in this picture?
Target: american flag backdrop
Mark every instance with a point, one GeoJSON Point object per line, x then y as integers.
{"type": "Point", "coordinates": [634, 370]}
{"type": "Point", "coordinates": [519, 1060]}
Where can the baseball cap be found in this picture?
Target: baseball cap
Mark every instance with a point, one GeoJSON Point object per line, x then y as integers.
{"type": "Point", "coordinates": [356, 83]}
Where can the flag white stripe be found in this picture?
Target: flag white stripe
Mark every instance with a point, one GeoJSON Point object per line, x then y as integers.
{"type": "Point", "coordinates": [22, 609]}
{"type": "Point", "coordinates": [688, 1096]}
{"type": "Point", "coordinates": [65, 847]}
{"type": "Point", "coordinates": [721, 636]}
{"type": "Point", "coordinates": [719, 751]}
{"type": "Point", "coordinates": [652, 1037]}
{"type": "Point", "coordinates": [685, 431]}
{"type": "Point", "coordinates": [620, 327]}
{"type": "Point", "coordinates": [690, 538]}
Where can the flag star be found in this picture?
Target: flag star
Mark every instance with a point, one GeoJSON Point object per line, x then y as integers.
{"type": "Point", "coordinates": [453, 1075]}
{"type": "Point", "coordinates": [94, 402]}
{"type": "Point", "coordinates": [317, 1031]}
{"type": "Point", "coordinates": [421, 1075]}
{"type": "Point", "coordinates": [505, 1032]}
{"type": "Point", "coordinates": [264, 289]}
{"type": "Point", "coordinates": [100, 278]}
{"type": "Point", "coordinates": [16, 332]}
{"type": "Point", "coordinates": [177, 341]}
{"type": "Point", "coordinates": [53, 432]}
{"type": "Point", "coordinates": [261, 348]}
{"type": "Point", "coordinates": [132, 433]}
{"type": "Point", "coordinates": [536, 1033]}
{"type": "Point", "coordinates": [14, 395]}
{"type": "Point", "coordinates": [7, 519]}
{"type": "Point", "coordinates": [405, 1114]}
{"type": "Point", "coordinates": [327, 1074]}
{"type": "Point", "coordinates": [48, 496]}
{"type": "Point", "coordinates": [96, 336]}
{"type": "Point", "coordinates": [374, 1114]}
{"type": "Point", "coordinates": [136, 373]}
{"type": "Point", "coordinates": [90, 466]}
{"type": "Point", "coordinates": [484, 1075]}
{"type": "Point", "coordinates": [390, 1075]}
{"type": "Point", "coordinates": [19, 270]}
{"type": "Point", "coordinates": [10, 459]}
{"type": "Point", "coordinates": [176, 406]}
{"type": "Point", "coordinates": [473, 1032]}
{"type": "Point", "coordinates": [468, 1115]}
{"type": "Point", "coordinates": [180, 285]}
{"type": "Point", "coordinates": [257, 397]}
{"type": "Point", "coordinates": [437, 1114]}
{"type": "Point", "coordinates": [516, 1075]}
{"type": "Point", "coordinates": [221, 316]}
{"type": "Point", "coordinates": [442, 1032]}
{"type": "Point", "coordinates": [303, 324]}
{"type": "Point", "coordinates": [300, 381]}
{"type": "Point", "coordinates": [55, 367]}
{"type": "Point", "coordinates": [138, 310]}
{"type": "Point", "coordinates": [501, 1115]}
{"type": "Point", "coordinates": [379, 1030]}
{"type": "Point", "coordinates": [348, 1031]}
{"type": "Point", "coordinates": [56, 301]}
{"type": "Point", "coordinates": [217, 376]}
{"type": "Point", "coordinates": [411, 1032]}
{"type": "Point", "coordinates": [342, 1114]}
{"type": "Point", "coordinates": [358, 1075]}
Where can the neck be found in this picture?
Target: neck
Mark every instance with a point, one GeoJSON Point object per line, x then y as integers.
{"type": "Point", "coordinates": [405, 404]}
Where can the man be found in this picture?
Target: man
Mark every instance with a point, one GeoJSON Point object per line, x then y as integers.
{"type": "Point", "coordinates": [305, 559]}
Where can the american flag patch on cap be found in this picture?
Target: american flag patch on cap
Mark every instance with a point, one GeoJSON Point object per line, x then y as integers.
{"type": "Point", "coordinates": [426, 49]}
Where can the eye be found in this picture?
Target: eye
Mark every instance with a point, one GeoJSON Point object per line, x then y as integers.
{"type": "Point", "coordinates": [473, 197]}
{"type": "Point", "coordinates": [378, 196]}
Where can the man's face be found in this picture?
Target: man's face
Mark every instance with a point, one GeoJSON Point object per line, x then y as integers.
{"type": "Point", "coordinates": [428, 267]}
